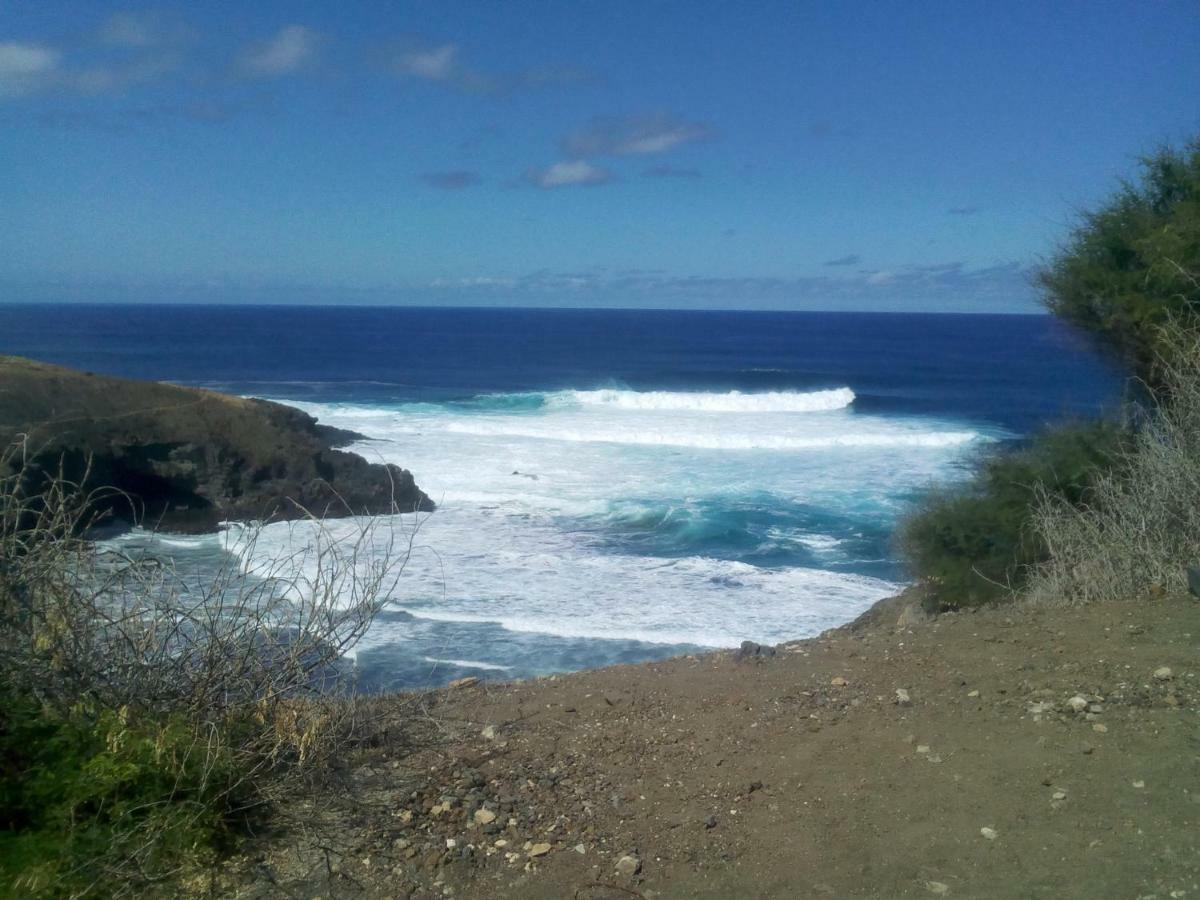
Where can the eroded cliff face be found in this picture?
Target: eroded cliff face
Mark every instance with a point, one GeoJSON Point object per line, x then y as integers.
{"type": "Point", "coordinates": [184, 458]}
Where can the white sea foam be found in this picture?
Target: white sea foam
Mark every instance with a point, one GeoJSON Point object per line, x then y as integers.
{"type": "Point", "coordinates": [697, 435]}
{"type": "Point", "coordinates": [466, 664]}
{"type": "Point", "coordinates": [528, 496]}
{"type": "Point", "coordinates": [730, 401]}
{"type": "Point", "coordinates": [529, 576]}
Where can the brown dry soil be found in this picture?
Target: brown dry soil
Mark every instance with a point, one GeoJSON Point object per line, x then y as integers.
{"type": "Point", "coordinates": [800, 775]}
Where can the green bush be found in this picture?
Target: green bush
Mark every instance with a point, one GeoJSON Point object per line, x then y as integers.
{"type": "Point", "coordinates": [1134, 264]}
{"type": "Point", "coordinates": [81, 789]}
{"type": "Point", "coordinates": [974, 544]}
{"type": "Point", "coordinates": [144, 713]}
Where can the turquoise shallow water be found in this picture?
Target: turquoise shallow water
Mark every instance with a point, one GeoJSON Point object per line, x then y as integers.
{"type": "Point", "coordinates": [614, 486]}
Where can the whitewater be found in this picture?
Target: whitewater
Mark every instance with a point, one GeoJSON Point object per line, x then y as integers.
{"type": "Point", "coordinates": [584, 527]}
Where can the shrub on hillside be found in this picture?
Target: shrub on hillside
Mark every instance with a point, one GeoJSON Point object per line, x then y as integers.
{"type": "Point", "coordinates": [1140, 525]}
{"type": "Point", "coordinates": [145, 716]}
{"type": "Point", "coordinates": [1135, 262]}
{"type": "Point", "coordinates": [974, 544]}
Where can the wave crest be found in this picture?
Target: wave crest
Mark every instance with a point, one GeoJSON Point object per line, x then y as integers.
{"type": "Point", "coordinates": [730, 401]}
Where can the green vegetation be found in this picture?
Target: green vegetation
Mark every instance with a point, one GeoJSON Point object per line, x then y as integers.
{"type": "Point", "coordinates": [1140, 527]}
{"type": "Point", "coordinates": [1086, 511]}
{"type": "Point", "coordinates": [1134, 264]}
{"type": "Point", "coordinates": [94, 788]}
{"type": "Point", "coordinates": [975, 544]}
{"type": "Point", "coordinates": [145, 718]}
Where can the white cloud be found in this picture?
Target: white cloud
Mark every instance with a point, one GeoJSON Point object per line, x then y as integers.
{"type": "Point", "coordinates": [291, 49]}
{"type": "Point", "coordinates": [634, 136]}
{"type": "Point", "coordinates": [566, 174]}
{"type": "Point", "coordinates": [444, 64]}
{"type": "Point", "coordinates": [26, 68]}
{"type": "Point", "coordinates": [432, 63]}
{"type": "Point", "coordinates": [879, 278]}
{"type": "Point", "coordinates": [142, 30]}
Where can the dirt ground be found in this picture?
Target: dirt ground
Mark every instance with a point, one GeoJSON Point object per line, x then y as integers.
{"type": "Point", "coordinates": [1004, 753]}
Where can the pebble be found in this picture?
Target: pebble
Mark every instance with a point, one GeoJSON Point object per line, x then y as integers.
{"type": "Point", "coordinates": [484, 817]}
{"type": "Point", "coordinates": [1139, 784]}
{"type": "Point", "coordinates": [937, 887]}
{"type": "Point", "coordinates": [1059, 795]}
{"type": "Point", "coordinates": [489, 733]}
{"type": "Point", "coordinates": [990, 833]}
{"type": "Point", "coordinates": [580, 849]}
{"type": "Point", "coordinates": [902, 697]}
{"type": "Point", "coordinates": [1099, 727]}
{"type": "Point", "coordinates": [539, 849]}
{"type": "Point", "coordinates": [1163, 673]}
{"type": "Point", "coordinates": [629, 866]}
{"type": "Point", "coordinates": [838, 681]}
{"type": "Point", "coordinates": [1077, 704]}
{"type": "Point", "coordinates": [710, 822]}
{"type": "Point", "coordinates": [969, 694]}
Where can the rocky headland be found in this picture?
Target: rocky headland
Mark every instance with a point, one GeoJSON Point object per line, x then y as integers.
{"type": "Point", "coordinates": [184, 459]}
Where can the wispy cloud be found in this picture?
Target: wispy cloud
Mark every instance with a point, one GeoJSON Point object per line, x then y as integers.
{"type": "Point", "coordinates": [568, 174]}
{"type": "Point", "coordinates": [444, 64]}
{"type": "Point", "coordinates": [850, 259]}
{"type": "Point", "coordinates": [1000, 287]}
{"type": "Point", "coordinates": [634, 136]}
{"type": "Point", "coordinates": [438, 63]}
{"type": "Point", "coordinates": [454, 180]}
{"type": "Point", "coordinates": [27, 68]}
{"type": "Point", "coordinates": [292, 48]}
{"type": "Point", "coordinates": [666, 170]}
{"type": "Point", "coordinates": [964, 210]}
{"type": "Point", "coordinates": [142, 30]}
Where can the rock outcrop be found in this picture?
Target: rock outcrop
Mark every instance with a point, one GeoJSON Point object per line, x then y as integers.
{"type": "Point", "coordinates": [184, 458]}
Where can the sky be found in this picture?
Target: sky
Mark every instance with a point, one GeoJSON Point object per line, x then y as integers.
{"type": "Point", "coordinates": [908, 156]}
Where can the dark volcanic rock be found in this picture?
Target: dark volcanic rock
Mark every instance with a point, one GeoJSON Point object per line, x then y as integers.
{"type": "Point", "coordinates": [187, 458]}
{"type": "Point", "coordinates": [751, 650]}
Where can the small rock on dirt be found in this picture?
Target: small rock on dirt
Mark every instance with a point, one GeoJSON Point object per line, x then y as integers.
{"type": "Point", "coordinates": [990, 833]}
{"type": "Point", "coordinates": [1163, 673]}
{"type": "Point", "coordinates": [629, 866]}
{"type": "Point", "coordinates": [539, 849]}
{"type": "Point", "coordinates": [902, 697]}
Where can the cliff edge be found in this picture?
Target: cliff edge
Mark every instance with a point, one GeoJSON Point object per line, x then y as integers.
{"type": "Point", "coordinates": [187, 458]}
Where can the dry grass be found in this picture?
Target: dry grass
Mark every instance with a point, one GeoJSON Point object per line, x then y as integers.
{"type": "Point", "coordinates": [225, 690]}
{"type": "Point", "coordinates": [1140, 527]}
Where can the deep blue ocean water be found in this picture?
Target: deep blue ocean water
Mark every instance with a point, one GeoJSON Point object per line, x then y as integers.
{"type": "Point", "coordinates": [615, 485]}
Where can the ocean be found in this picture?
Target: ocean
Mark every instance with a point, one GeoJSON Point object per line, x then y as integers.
{"type": "Point", "coordinates": [613, 485]}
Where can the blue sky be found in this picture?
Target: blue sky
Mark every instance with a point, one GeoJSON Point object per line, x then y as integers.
{"type": "Point", "coordinates": [879, 156]}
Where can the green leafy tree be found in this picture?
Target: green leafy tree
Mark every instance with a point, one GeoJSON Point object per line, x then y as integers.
{"type": "Point", "coordinates": [1134, 264]}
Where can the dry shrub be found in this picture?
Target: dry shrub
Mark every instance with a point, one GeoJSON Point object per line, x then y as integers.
{"type": "Point", "coordinates": [145, 713]}
{"type": "Point", "coordinates": [1140, 526]}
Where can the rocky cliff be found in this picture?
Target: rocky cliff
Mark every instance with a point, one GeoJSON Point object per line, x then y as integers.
{"type": "Point", "coordinates": [187, 458]}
